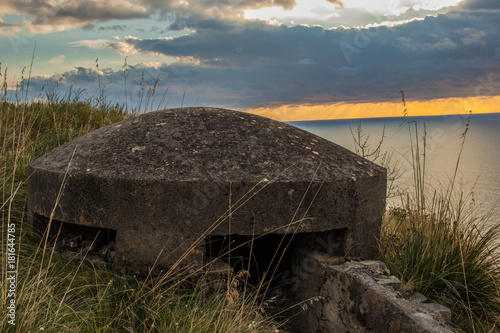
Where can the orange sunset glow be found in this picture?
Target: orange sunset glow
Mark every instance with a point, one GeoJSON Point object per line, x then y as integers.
{"type": "Point", "coordinates": [444, 106]}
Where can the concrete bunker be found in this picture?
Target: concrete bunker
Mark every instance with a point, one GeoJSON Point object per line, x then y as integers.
{"type": "Point", "coordinates": [166, 180]}
{"type": "Point", "coordinates": [182, 185]}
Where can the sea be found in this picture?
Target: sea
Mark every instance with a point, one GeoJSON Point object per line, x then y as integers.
{"type": "Point", "coordinates": [474, 142]}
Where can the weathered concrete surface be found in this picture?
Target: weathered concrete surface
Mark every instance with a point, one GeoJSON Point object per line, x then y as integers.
{"type": "Point", "coordinates": [162, 180]}
{"type": "Point", "coordinates": [351, 298]}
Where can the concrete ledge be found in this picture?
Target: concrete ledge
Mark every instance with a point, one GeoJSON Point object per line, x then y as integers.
{"type": "Point", "coordinates": [350, 298]}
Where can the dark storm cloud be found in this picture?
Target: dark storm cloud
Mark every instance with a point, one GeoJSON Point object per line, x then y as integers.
{"type": "Point", "coordinates": [240, 64]}
{"type": "Point", "coordinates": [77, 12]}
{"type": "Point", "coordinates": [206, 14]}
{"type": "Point", "coordinates": [261, 64]}
{"type": "Point", "coordinates": [45, 12]}
{"type": "Point", "coordinates": [479, 5]}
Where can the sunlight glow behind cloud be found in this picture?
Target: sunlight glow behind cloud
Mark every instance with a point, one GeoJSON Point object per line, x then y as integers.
{"type": "Point", "coordinates": [323, 11]}
{"type": "Point", "coordinates": [306, 9]}
{"type": "Point", "coordinates": [444, 106]}
{"type": "Point", "coordinates": [397, 7]}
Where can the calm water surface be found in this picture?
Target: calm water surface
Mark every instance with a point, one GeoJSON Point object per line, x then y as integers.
{"type": "Point", "coordinates": [479, 168]}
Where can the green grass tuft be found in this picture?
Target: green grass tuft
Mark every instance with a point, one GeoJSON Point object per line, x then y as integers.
{"type": "Point", "coordinates": [439, 245]}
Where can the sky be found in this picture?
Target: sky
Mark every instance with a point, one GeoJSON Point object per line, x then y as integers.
{"type": "Point", "coordinates": [285, 59]}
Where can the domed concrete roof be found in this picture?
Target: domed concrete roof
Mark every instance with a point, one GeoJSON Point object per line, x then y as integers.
{"type": "Point", "coordinates": [194, 144]}
{"type": "Point", "coordinates": [177, 171]}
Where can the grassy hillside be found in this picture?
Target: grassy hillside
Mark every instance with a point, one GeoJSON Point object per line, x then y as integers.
{"type": "Point", "coordinates": [433, 242]}
{"type": "Point", "coordinates": [54, 294]}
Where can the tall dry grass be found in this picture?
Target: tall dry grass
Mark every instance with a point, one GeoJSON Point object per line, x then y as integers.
{"type": "Point", "coordinates": [57, 293]}
{"type": "Point", "coordinates": [438, 244]}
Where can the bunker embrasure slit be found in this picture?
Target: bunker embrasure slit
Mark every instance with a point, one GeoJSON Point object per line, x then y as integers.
{"type": "Point", "coordinates": [265, 257]}
{"type": "Point", "coordinates": [93, 242]}
{"type": "Point", "coordinates": [270, 257]}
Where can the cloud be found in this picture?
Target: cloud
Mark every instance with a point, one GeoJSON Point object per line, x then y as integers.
{"type": "Point", "coordinates": [125, 48]}
{"type": "Point", "coordinates": [215, 9]}
{"type": "Point", "coordinates": [255, 43]}
{"type": "Point", "coordinates": [42, 11]}
{"type": "Point", "coordinates": [264, 64]}
{"type": "Point", "coordinates": [247, 64]}
{"type": "Point", "coordinates": [94, 27]}
{"type": "Point", "coordinates": [57, 60]}
{"type": "Point", "coordinates": [479, 5]}
{"type": "Point", "coordinates": [472, 36]}
{"type": "Point", "coordinates": [353, 13]}
{"type": "Point", "coordinates": [91, 43]}
{"type": "Point", "coordinates": [49, 15]}
{"type": "Point", "coordinates": [337, 3]}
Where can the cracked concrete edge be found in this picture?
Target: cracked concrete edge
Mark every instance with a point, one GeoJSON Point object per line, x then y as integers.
{"type": "Point", "coordinates": [409, 316]}
{"type": "Point", "coordinates": [352, 299]}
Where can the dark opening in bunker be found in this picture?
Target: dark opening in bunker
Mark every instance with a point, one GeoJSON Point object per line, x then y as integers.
{"type": "Point", "coordinates": [271, 257]}
{"type": "Point", "coordinates": [77, 237]}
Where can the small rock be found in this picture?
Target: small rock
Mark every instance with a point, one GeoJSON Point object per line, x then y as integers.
{"type": "Point", "coordinates": [376, 267]}
{"type": "Point", "coordinates": [441, 310]}
{"type": "Point", "coordinates": [390, 281]}
{"type": "Point", "coordinates": [419, 298]}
